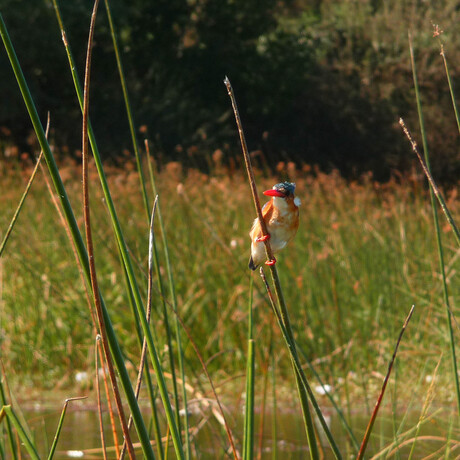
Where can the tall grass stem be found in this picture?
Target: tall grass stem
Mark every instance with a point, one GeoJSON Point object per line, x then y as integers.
{"type": "Point", "coordinates": [98, 398]}
{"type": "Point", "coordinates": [61, 423]}
{"type": "Point", "coordinates": [8, 412]}
{"type": "Point", "coordinates": [3, 402]}
{"type": "Point", "coordinates": [148, 313]}
{"type": "Point", "coordinates": [248, 439]}
{"type": "Point", "coordinates": [451, 86]}
{"type": "Point", "coordinates": [370, 425]}
{"type": "Point", "coordinates": [274, 424]}
{"type": "Point", "coordinates": [449, 314]}
{"type": "Point", "coordinates": [89, 239]}
{"type": "Point", "coordinates": [129, 111]}
{"type": "Point", "coordinates": [173, 296]}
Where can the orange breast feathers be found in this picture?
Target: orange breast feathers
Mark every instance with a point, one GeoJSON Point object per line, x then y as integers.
{"type": "Point", "coordinates": [282, 224]}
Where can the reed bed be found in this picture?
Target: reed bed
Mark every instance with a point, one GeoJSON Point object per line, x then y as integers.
{"type": "Point", "coordinates": [365, 252]}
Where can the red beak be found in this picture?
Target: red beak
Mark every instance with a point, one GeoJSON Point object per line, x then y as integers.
{"type": "Point", "coordinates": [273, 192]}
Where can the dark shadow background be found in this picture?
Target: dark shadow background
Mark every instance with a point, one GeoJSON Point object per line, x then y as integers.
{"type": "Point", "coordinates": [317, 82]}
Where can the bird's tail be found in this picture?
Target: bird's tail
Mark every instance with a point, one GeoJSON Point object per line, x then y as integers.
{"type": "Point", "coordinates": [252, 265]}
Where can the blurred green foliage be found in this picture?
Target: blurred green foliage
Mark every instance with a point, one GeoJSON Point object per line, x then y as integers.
{"type": "Point", "coordinates": [322, 82]}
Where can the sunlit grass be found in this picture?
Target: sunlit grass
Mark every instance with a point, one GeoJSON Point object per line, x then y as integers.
{"type": "Point", "coordinates": [364, 252]}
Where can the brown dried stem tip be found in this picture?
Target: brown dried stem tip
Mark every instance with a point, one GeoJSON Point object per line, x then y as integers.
{"type": "Point", "coordinates": [247, 161]}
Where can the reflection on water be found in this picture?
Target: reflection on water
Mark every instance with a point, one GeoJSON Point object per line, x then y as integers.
{"type": "Point", "coordinates": [80, 436]}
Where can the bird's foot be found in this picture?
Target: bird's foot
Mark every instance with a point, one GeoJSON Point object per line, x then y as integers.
{"type": "Point", "coordinates": [271, 262]}
{"type": "Point", "coordinates": [263, 238]}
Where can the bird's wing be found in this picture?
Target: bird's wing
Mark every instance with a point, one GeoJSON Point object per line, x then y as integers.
{"type": "Point", "coordinates": [267, 210]}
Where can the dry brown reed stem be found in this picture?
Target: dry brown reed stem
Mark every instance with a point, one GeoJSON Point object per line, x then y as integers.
{"type": "Point", "coordinates": [147, 315]}
{"type": "Point", "coordinates": [382, 391]}
{"type": "Point", "coordinates": [88, 301]}
{"type": "Point", "coordinates": [247, 162]}
{"type": "Point", "coordinates": [284, 315]}
{"type": "Point", "coordinates": [89, 240]}
{"type": "Point", "coordinates": [98, 394]}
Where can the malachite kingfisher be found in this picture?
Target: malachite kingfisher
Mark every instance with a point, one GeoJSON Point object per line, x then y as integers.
{"type": "Point", "coordinates": [281, 216]}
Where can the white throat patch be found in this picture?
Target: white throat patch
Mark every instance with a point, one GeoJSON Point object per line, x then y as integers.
{"type": "Point", "coordinates": [281, 204]}
{"type": "Point", "coordinates": [297, 201]}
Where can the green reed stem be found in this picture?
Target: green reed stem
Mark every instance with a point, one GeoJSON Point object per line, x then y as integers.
{"type": "Point", "coordinates": [248, 438]}
{"type": "Point", "coordinates": [172, 291]}
{"type": "Point", "coordinates": [161, 290]}
{"type": "Point", "coordinates": [308, 421]}
{"type": "Point", "coordinates": [8, 424]}
{"type": "Point", "coordinates": [129, 111]}
{"type": "Point", "coordinates": [7, 411]}
{"type": "Point", "coordinates": [442, 269]}
{"type": "Point", "coordinates": [274, 426]}
{"type": "Point", "coordinates": [142, 361]}
{"type": "Point", "coordinates": [126, 258]}
{"type": "Point", "coordinates": [76, 235]}
{"type": "Point", "coordinates": [60, 423]}
{"type": "Point", "coordinates": [168, 333]}
{"type": "Point", "coordinates": [298, 369]}
{"type": "Point", "coordinates": [340, 414]}
{"type": "Point", "coordinates": [148, 379]}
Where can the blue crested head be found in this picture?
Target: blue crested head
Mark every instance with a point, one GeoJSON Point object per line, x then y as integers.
{"type": "Point", "coordinates": [288, 188]}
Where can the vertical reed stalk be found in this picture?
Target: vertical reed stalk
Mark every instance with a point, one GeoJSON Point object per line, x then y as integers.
{"type": "Point", "coordinates": [265, 372]}
{"type": "Point", "coordinates": [442, 269]}
{"type": "Point", "coordinates": [129, 111]}
{"type": "Point", "coordinates": [89, 239]}
{"type": "Point", "coordinates": [340, 414]}
{"type": "Point", "coordinates": [274, 427]}
{"type": "Point", "coordinates": [426, 405]}
{"type": "Point", "coordinates": [88, 300]}
{"type": "Point", "coordinates": [148, 312]}
{"type": "Point", "coordinates": [279, 293]}
{"type": "Point", "coordinates": [248, 439]}
{"type": "Point", "coordinates": [173, 296]}
{"type": "Point", "coordinates": [451, 86]}
{"type": "Point", "coordinates": [98, 397]}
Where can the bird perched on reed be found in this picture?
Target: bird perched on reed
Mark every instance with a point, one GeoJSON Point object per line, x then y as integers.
{"type": "Point", "coordinates": [281, 216]}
